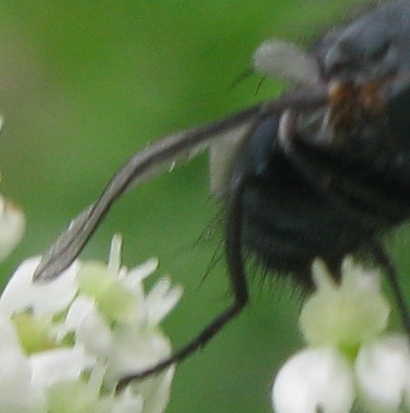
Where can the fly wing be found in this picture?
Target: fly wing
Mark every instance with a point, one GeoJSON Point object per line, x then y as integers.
{"type": "Point", "coordinates": [222, 156]}
{"type": "Point", "coordinates": [156, 158]}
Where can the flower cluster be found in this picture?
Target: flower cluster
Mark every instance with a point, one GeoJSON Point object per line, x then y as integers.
{"type": "Point", "coordinates": [349, 357]}
{"type": "Point", "coordinates": [65, 344]}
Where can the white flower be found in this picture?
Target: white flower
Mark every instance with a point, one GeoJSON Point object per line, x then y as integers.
{"type": "Point", "coordinates": [382, 369]}
{"type": "Point", "coordinates": [344, 314]}
{"type": "Point", "coordinates": [314, 380]}
{"type": "Point", "coordinates": [65, 344]}
{"type": "Point", "coordinates": [41, 299]}
{"type": "Point", "coordinates": [349, 356]}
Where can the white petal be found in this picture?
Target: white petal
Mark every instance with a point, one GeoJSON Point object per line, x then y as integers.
{"type": "Point", "coordinates": [12, 226]}
{"type": "Point", "coordinates": [114, 261]}
{"type": "Point", "coordinates": [127, 403]}
{"type": "Point", "coordinates": [142, 271]}
{"type": "Point", "coordinates": [78, 311]}
{"type": "Point", "coordinates": [16, 391]}
{"type": "Point", "coordinates": [156, 391]}
{"type": "Point", "coordinates": [161, 300]}
{"type": "Point", "coordinates": [8, 335]}
{"type": "Point", "coordinates": [314, 380]}
{"type": "Point", "coordinates": [135, 351]}
{"type": "Point", "coordinates": [383, 371]}
{"type": "Point", "coordinates": [15, 372]}
{"type": "Point", "coordinates": [57, 365]}
{"type": "Point", "coordinates": [90, 327]}
{"type": "Point", "coordinates": [21, 294]}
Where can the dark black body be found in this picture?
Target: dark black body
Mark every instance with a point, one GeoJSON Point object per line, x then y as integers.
{"type": "Point", "coordinates": [287, 223]}
{"type": "Point", "coordinates": [321, 200]}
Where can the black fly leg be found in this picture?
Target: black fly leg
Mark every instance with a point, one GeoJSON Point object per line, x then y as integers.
{"type": "Point", "coordinates": [233, 246]}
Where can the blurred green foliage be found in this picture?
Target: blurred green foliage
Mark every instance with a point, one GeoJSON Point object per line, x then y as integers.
{"type": "Point", "coordinates": [83, 85]}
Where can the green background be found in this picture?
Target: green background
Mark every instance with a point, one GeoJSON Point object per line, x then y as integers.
{"type": "Point", "coordinates": [83, 85]}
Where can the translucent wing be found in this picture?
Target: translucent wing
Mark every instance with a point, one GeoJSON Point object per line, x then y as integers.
{"type": "Point", "coordinates": [156, 158]}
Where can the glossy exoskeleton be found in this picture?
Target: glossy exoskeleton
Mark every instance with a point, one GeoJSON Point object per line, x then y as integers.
{"type": "Point", "coordinates": [322, 171]}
